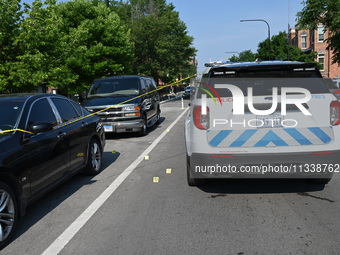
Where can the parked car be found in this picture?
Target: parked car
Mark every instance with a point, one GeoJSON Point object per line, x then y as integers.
{"type": "Point", "coordinates": [125, 103]}
{"type": "Point", "coordinates": [189, 91]}
{"type": "Point", "coordinates": [270, 119]}
{"type": "Point", "coordinates": [44, 139]}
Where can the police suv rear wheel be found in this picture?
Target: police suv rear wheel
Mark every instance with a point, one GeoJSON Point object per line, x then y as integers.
{"type": "Point", "coordinates": [193, 181]}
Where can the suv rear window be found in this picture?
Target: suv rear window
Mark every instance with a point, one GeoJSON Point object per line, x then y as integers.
{"type": "Point", "coordinates": [265, 72]}
{"type": "Point", "coordinates": [263, 79]}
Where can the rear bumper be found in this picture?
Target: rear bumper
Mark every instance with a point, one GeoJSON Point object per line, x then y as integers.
{"type": "Point", "coordinates": [276, 165]}
{"type": "Point", "coordinates": [122, 126]}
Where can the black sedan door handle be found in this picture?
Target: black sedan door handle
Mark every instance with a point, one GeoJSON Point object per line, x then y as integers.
{"type": "Point", "coordinates": [61, 135]}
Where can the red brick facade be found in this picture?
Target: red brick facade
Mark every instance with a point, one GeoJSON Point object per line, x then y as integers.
{"type": "Point", "coordinates": [313, 40]}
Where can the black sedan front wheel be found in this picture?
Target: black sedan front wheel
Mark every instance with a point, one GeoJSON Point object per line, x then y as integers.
{"type": "Point", "coordinates": [94, 161]}
{"type": "Point", "coordinates": [8, 214]}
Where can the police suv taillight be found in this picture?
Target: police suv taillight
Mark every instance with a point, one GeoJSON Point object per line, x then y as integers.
{"type": "Point", "coordinates": [201, 117]}
{"type": "Point", "coordinates": [336, 93]}
{"type": "Point", "coordinates": [335, 113]}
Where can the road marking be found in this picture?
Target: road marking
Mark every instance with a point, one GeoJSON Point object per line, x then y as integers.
{"type": "Point", "coordinates": [74, 228]}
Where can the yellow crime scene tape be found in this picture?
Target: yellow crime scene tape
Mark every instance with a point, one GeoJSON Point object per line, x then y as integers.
{"type": "Point", "coordinates": [103, 110]}
{"type": "Point", "coordinates": [15, 129]}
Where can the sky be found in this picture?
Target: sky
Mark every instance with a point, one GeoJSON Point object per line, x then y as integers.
{"type": "Point", "coordinates": [216, 28]}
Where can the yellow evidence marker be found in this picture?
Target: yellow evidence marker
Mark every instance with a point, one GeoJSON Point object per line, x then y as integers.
{"type": "Point", "coordinates": [155, 179]}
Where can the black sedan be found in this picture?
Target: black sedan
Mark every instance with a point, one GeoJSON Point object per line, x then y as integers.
{"type": "Point", "coordinates": [44, 139]}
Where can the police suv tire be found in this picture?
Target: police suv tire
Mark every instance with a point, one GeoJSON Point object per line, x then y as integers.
{"type": "Point", "coordinates": [193, 181]}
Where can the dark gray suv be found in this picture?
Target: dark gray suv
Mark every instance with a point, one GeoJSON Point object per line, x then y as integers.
{"type": "Point", "coordinates": [125, 103]}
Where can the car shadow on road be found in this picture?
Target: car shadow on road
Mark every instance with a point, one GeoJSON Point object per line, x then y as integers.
{"type": "Point", "coordinates": [109, 158]}
{"type": "Point", "coordinates": [46, 204]}
{"type": "Point", "coordinates": [259, 186]}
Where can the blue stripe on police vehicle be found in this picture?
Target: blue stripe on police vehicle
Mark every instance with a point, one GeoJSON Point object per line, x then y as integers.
{"type": "Point", "coordinates": [265, 137]}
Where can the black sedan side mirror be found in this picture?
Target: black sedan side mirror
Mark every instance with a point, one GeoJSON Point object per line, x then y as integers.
{"type": "Point", "coordinates": [39, 127]}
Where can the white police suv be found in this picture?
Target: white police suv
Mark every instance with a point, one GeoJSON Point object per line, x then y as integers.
{"type": "Point", "coordinates": [272, 119]}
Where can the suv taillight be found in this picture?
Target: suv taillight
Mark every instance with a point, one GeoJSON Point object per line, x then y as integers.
{"type": "Point", "coordinates": [335, 113]}
{"type": "Point", "coordinates": [201, 121]}
{"type": "Point", "coordinates": [336, 93]}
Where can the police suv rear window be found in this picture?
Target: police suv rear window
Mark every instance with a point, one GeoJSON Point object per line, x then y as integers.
{"type": "Point", "coordinates": [263, 79]}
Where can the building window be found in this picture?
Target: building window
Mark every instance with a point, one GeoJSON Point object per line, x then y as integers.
{"type": "Point", "coordinates": [303, 41]}
{"type": "Point", "coordinates": [321, 60]}
{"type": "Point", "coordinates": [321, 34]}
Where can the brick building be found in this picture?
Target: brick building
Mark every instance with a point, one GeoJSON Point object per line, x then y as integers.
{"type": "Point", "coordinates": [314, 40]}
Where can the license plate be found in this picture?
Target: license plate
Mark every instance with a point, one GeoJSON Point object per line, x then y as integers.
{"type": "Point", "coordinates": [269, 121]}
{"type": "Point", "coordinates": [108, 128]}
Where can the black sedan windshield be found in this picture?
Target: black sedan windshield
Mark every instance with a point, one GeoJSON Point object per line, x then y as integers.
{"type": "Point", "coordinates": [9, 113]}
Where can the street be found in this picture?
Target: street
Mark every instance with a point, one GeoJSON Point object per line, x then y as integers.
{"type": "Point", "coordinates": [163, 215]}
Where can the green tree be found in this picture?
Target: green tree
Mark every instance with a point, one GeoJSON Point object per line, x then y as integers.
{"type": "Point", "coordinates": [326, 12]}
{"type": "Point", "coordinates": [94, 42]}
{"type": "Point", "coordinates": [67, 45]}
{"type": "Point", "coordinates": [162, 45]}
{"type": "Point", "coordinates": [37, 40]}
{"type": "Point", "coordinates": [281, 50]}
{"type": "Point", "coordinates": [246, 55]}
{"type": "Point", "coordinates": [10, 16]}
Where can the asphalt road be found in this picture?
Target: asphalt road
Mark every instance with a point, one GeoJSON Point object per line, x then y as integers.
{"type": "Point", "coordinates": [139, 216]}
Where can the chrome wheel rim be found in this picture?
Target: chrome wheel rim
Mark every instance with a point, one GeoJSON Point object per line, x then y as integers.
{"type": "Point", "coordinates": [7, 214]}
{"type": "Point", "coordinates": [96, 158]}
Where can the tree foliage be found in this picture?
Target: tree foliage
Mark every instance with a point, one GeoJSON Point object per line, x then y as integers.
{"type": "Point", "coordinates": [162, 46]}
{"type": "Point", "coordinates": [67, 45]}
{"type": "Point", "coordinates": [281, 50]}
{"type": "Point", "coordinates": [326, 12]}
{"type": "Point", "coordinates": [246, 55]}
{"type": "Point", "coordinates": [94, 43]}
{"type": "Point", "coordinates": [10, 17]}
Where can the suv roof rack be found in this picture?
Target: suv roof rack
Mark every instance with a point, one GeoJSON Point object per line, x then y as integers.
{"type": "Point", "coordinates": [212, 64]}
{"type": "Point", "coordinates": [257, 61]}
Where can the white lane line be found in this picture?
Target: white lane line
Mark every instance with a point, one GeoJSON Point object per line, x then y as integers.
{"type": "Point", "coordinates": [73, 229]}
